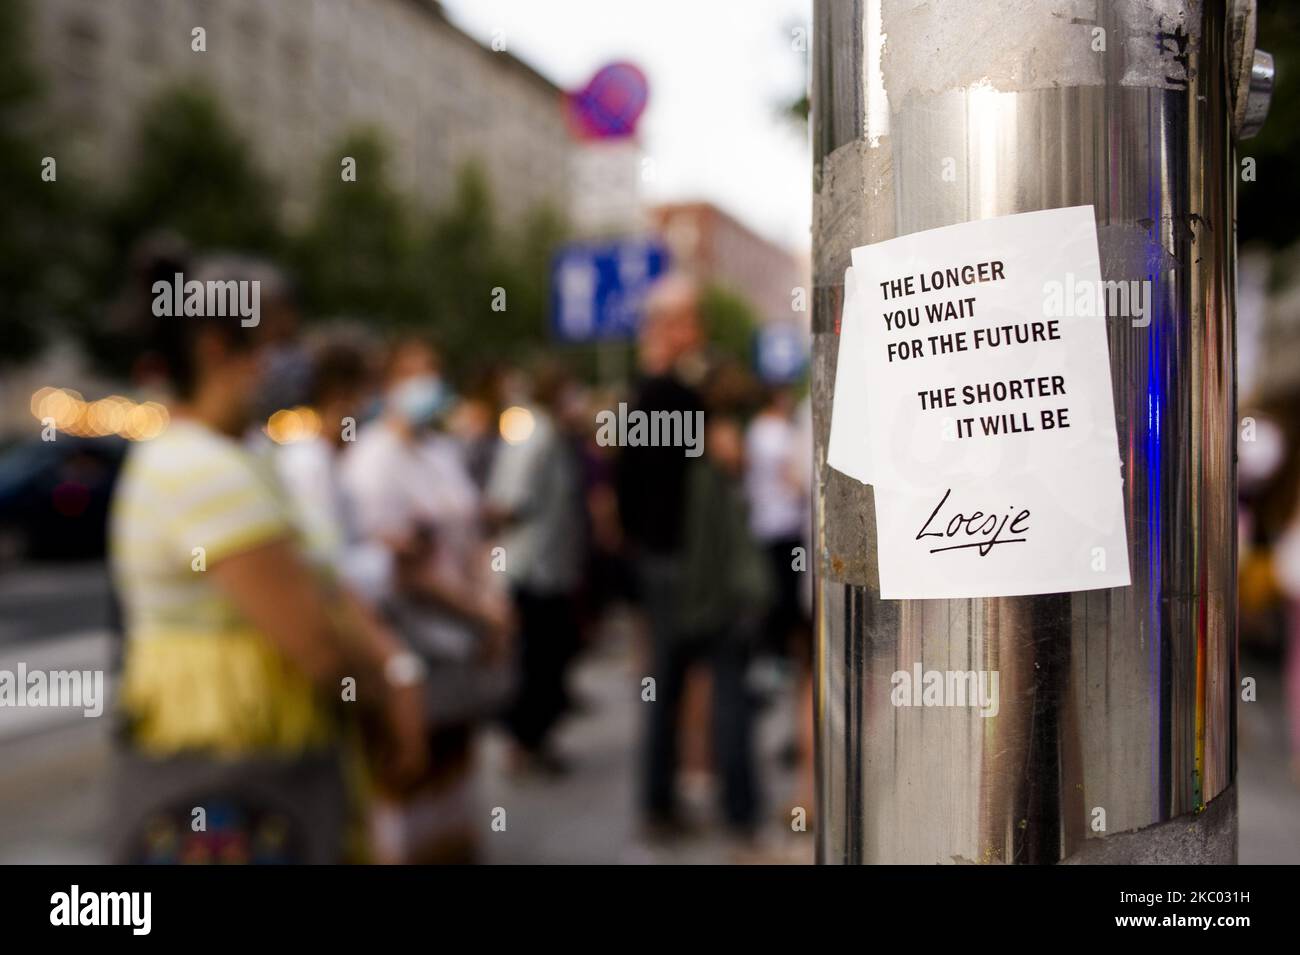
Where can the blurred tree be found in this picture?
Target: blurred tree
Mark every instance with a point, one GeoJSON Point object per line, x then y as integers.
{"type": "Point", "coordinates": [366, 252]}
{"type": "Point", "coordinates": [528, 274]}
{"type": "Point", "coordinates": [192, 179]}
{"type": "Point", "coordinates": [357, 257]}
{"type": "Point", "coordinates": [46, 236]}
{"type": "Point", "coordinates": [369, 254]}
{"type": "Point", "coordinates": [798, 109]}
{"type": "Point", "coordinates": [730, 322]}
{"type": "Point", "coordinates": [193, 174]}
{"type": "Point", "coordinates": [461, 252]}
{"type": "Point", "coordinates": [489, 287]}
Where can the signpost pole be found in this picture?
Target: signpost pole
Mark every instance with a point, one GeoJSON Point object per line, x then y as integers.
{"type": "Point", "coordinates": [1115, 735]}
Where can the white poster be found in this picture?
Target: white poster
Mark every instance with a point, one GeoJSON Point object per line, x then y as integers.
{"type": "Point", "coordinates": [978, 403]}
{"type": "Point", "coordinates": [847, 448]}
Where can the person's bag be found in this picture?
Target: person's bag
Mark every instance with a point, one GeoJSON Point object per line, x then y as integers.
{"type": "Point", "coordinates": [243, 810]}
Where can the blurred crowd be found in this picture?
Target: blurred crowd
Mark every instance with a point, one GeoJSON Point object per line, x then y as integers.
{"type": "Point", "coordinates": [343, 560]}
{"type": "Point", "coordinates": [1268, 528]}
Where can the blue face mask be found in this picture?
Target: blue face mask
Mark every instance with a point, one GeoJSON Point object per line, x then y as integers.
{"type": "Point", "coordinates": [372, 409]}
{"type": "Point", "coordinates": [419, 400]}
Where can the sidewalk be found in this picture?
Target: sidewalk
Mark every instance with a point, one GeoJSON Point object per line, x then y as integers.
{"type": "Point", "coordinates": [53, 807]}
{"type": "Point", "coordinates": [589, 815]}
{"type": "Point", "coordinates": [1268, 795]}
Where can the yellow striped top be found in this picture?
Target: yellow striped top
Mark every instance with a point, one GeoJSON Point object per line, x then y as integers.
{"type": "Point", "coordinates": [197, 676]}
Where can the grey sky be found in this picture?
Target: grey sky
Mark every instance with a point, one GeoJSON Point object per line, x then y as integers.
{"type": "Point", "coordinates": [719, 72]}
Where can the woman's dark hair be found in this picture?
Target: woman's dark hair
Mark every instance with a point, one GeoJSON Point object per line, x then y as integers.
{"type": "Point", "coordinates": [174, 338]}
{"type": "Point", "coordinates": [339, 366]}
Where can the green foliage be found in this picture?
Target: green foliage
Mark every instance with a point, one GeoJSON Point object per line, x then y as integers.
{"type": "Point", "coordinates": [368, 255]}
{"type": "Point", "coordinates": [192, 174]}
{"type": "Point", "coordinates": [189, 175]}
{"type": "Point", "coordinates": [544, 231]}
{"type": "Point", "coordinates": [730, 322]}
{"type": "Point", "coordinates": [466, 260]}
{"type": "Point", "coordinates": [43, 238]}
{"type": "Point", "coordinates": [366, 252]}
{"type": "Point", "coordinates": [18, 81]}
{"type": "Point", "coordinates": [358, 255]}
{"type": "Point", "coordinates": [491, 289]}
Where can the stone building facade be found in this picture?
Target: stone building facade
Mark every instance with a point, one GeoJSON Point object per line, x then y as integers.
{"type": "Point", "coordinates": [297, 75]}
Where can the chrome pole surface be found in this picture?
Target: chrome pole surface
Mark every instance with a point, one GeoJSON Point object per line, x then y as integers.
{"type": "Point", "coordinates": [1117, 707]}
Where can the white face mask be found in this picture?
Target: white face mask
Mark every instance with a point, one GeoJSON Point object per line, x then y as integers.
{"type": "Point", "coordinates": [419, 400]}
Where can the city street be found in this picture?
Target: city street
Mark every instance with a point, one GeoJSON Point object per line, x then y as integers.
{"type": "Point", "coordinates": [486, 406]}
{"type": "Point", "coordinates": [52, 806]}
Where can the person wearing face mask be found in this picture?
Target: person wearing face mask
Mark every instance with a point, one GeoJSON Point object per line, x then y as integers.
{"type": "Point", "coordinates": [411, 492]}
{"type": "Point", "coordinates": [236, 644]}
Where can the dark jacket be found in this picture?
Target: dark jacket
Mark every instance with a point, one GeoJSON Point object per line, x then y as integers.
{"type": "Point", "coordinates": [651, 481]}
{"type": "Point", "coordinates": [726, 586]}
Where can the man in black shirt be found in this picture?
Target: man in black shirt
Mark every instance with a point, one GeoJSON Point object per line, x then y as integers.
{"type": "Point", "coordinates": [651, 479]}
{"type": "Point", "coordinates": [652, 504]}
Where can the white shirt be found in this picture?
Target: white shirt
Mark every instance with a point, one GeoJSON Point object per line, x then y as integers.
{"type": "Point", "coordinates": [398, 488]}
{"type": "Point", "coordinates": [310, 472]}
{"type": "Point", "coordinates": [537, 481]}
{"type": "Point", "coordinates": [776, 505]}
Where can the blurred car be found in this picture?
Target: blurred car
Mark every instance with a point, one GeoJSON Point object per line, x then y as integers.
{"type": "Point", "coordinates": [54, 496]}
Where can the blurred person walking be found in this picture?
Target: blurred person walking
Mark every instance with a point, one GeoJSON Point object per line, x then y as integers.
{"type": "Point", "coordinates": [535, 497]}
{"type": "Point", "coordinates": [236, 647]}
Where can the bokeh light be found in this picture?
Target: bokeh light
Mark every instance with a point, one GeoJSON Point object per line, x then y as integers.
{"type": "Point", "coordinates": [516, 425]}
{"type": "Point", "coordinates": [293, 424]}
{"type": "Point", "coordinates": [114, 415]}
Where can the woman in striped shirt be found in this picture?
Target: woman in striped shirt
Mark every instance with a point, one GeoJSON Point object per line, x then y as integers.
{"type": "Point", "coordinates": [237, 648]}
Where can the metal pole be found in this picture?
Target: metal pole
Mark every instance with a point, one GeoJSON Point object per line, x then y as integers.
{"type": "Point", "coordinates": [1115, 738]}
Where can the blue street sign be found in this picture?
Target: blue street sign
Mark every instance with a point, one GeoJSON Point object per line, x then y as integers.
{"type": "Point", "coordinates": [597, 288]}
{"type": "Point", "coordinates": [781, 352]}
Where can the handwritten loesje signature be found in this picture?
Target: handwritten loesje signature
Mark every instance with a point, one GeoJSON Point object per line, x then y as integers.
{"type": "Point", "coordinates": [988, 528]}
